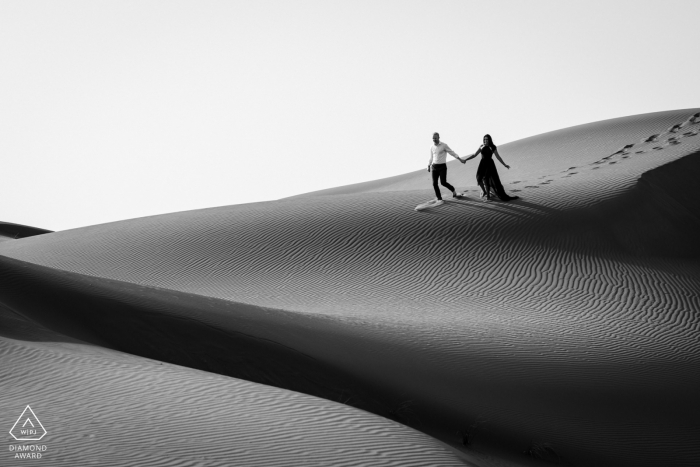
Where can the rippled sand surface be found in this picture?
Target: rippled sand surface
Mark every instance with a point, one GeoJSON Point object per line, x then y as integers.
{"type": "Point", "coordinates": [561, 327]}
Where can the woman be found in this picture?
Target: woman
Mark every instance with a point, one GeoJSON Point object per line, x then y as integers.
{"type": "Point", "coordinates": [486, 174]}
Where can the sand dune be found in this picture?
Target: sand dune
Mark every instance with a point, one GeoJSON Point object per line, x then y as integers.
{"type": "Point", "coordinates": [103, 407]}
{"type": "Point", "coordinates": [563, 325]}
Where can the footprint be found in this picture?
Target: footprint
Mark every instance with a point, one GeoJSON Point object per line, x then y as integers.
{"type": "Point", "coordinates": [695, 118]}
{"type": "Point", "coordinates": [513, 183]}
{"type": "Point", "coordinates": [573, 173]}
{"type": "Point", "coordinates": [623, 150]}
{"type": "Point", "coordinates": [625, 157]}
{"type": "Point", "coordinates": [639, 152]}
{"type": "Point", "coordinates": [594, 168]}
{"type": "Point", "coordinates": [690, 133]}
{"type": "Point", "coordinates": [611, 163]}
{"type": "Point", "coordinates": [658, 148]}
{"type": "Point", "coordinates": [675, 128]}
{"type": "Point", "coordinates": [673, 142]}
{"type": "Point", "coordinates": [531, 186]}
{"type": "Point", "coordinates": [651, 139]}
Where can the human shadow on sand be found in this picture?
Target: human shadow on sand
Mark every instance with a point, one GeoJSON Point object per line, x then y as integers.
{"type": "Point", "coordinates": [515, 208]}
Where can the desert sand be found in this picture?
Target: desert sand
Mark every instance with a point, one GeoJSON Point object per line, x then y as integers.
{"type": "Point", "coordinates": [342, 327]}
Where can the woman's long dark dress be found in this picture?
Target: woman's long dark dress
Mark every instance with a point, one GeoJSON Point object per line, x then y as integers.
{"type": "Point", "coordinates": [487, 175]}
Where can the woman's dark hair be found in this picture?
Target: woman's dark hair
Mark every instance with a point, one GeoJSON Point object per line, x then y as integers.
{"type": "Point", "coordinates": [493, 146]}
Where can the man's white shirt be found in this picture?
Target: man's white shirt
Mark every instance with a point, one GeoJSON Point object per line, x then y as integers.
{"type": "Point", "coordinates": [438, 153]}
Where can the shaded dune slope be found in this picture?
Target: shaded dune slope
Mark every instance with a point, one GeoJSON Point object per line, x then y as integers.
{"type": "Point", "coordinates": [9, 230]}
{"type": "Point", "coordinates": [102, 407]}
{"type": "Point", "coordinates": [569, 317]}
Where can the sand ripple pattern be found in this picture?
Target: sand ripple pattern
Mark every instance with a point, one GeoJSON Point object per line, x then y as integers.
{"type": "Point", "coordinates": [106, 408]}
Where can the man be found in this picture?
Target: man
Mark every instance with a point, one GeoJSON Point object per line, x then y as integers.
{"type": "Point", "coordinates": [438, 165]}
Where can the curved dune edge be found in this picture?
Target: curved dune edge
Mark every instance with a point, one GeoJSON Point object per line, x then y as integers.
{"type": "Point", "coordinates": [9, 231]}
{"type": "Point", "coordinates": [102, 407]}
{"type": "Point", "coordinates": [527, 408]}
{"type": "Point", "coordinates": [566, 319]}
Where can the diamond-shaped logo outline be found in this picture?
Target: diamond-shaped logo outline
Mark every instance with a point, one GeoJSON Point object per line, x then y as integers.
{"type": "Point", "coordinates": [35, 418]}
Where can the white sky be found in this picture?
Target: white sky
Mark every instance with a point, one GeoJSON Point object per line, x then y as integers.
{"type": "Point", "coordinates": [119, 109]}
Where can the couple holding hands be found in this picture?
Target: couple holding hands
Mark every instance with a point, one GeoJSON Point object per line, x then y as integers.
{"type": "Point", "coordinates": [486, 174]}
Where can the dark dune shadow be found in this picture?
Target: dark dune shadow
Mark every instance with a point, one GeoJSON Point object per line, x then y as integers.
{"type": "Point", "coordinates": [10, 230]}
{"type": "Point", "coordinates": [14, 325]}
{"type": "Point", "coordinates": [231, 339]}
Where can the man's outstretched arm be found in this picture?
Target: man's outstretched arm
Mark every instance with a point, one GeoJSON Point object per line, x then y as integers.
{"type": "Point", "coordinates": [452, 153]}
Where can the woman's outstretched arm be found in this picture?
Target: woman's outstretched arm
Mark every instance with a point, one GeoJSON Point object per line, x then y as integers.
{"type": "Point", "coordinates": [478, 151]}
{"type": "Point", "coordinates": [498, 156]}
